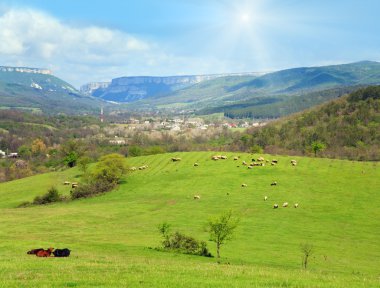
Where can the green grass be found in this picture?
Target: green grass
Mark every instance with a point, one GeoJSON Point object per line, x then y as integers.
{"type": "Point", "coordinates": [110, 235]}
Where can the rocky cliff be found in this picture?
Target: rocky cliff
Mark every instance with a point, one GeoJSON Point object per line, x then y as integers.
{"type": "Point", "coordinates": [129, 89]}
{"type": "Point", "coordinates": [25, 70]}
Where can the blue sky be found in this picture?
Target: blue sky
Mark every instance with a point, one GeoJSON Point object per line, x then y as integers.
{"type": "Point", "coordinates": [83, 41]}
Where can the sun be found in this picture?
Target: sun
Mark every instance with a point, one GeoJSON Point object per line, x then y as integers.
{"type": "Point", "coordinates": [245, 17]}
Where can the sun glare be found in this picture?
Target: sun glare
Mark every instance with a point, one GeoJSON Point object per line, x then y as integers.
{"type": "Point", "coordinates": [245, 17]}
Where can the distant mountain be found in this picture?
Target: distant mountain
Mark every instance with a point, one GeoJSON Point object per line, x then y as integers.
{"type": "Point", "coordinates": [37, 89]}
{"type": "Point", "coordinates": [271, 95]}
{"type": "Point", "coordinates": [131, 89]}
{"type": "Point", "coordinates": [349, 127]}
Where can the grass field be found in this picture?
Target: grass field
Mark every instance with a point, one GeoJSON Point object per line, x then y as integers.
{"type": "Point", "coordinates": [111, 235]}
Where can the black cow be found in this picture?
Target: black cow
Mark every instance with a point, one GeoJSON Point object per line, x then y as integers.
{"type": "Point", "coordinates": [61, 252]}
{"type": "Point", "coordinates": [34, 251]}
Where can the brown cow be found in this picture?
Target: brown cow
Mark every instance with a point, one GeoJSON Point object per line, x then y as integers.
{"type": "Point", "coordinates": [45, 253]}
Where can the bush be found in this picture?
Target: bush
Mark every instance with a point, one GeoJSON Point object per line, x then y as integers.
{"type": "Point", "coordinates": [134, 151]}
{"type": "Point", "coordinates": [51, 196]}
{"type": "Point", "coordinates": [110, 168]}
{"type": "Point", "coordinates": [257, 149]}
{"type": "Point", "coordinates": [92, 189]}
{"type": "Point", "coordinates": [24, 204]}
{"type": "Point", "coordinates": [181, 243]}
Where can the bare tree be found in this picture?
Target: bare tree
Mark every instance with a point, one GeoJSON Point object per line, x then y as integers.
{"type": "Point", "coordinates": [307, 250]}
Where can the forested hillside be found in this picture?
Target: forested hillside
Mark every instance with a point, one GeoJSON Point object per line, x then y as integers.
{"type": "Point", "coordinates": [344, 128]}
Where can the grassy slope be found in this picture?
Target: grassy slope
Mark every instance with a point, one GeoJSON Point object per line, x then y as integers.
{"type": "Point", "coordinates": [109, 235]}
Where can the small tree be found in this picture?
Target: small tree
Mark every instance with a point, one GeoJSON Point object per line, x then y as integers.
{"type": "Point", "coordinates": [71, 159]}
{"type": "Point", "coordinates": [307, 251]}
{"type": "Point", "coordinates": [317, 146]}
{"type": "Point", "coordinates": [221, 229]}
{"type": "Point", "coordinates": [164, 229]}
{"type": "Point", "coordinates": [83, 163]}
{"type": "Point", "coordinates": [110, 168]}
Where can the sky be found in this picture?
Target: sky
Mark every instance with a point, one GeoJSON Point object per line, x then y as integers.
{"type": "Point", "coordinates": [85, 41]}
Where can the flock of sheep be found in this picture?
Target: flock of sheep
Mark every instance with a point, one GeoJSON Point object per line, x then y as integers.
{"type": "Point", "coordinates": [255, 162]}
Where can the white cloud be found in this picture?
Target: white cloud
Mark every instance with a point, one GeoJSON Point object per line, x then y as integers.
{"type": "Point", "coordinates": [84, 54]}
{"type": "Point", "coordinates": [33, 38]}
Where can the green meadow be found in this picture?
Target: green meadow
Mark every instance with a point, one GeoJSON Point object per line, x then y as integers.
{"type": "Point", "coordinates": [112, 236]}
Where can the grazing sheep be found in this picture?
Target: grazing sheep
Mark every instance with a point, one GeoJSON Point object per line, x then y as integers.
{"type": "Point", "coordinates": [275, 161]}
{"type": "Point", "coordinates": [253, 160]}
{"type": "Point", "coordinates": [66, 183]}
{"type": "Point", "coordinates": [176, 159]}
{"type": "Point", "coordinates": [197, 197]}
{"type": "Point", "coordinates": [265, 198]}
{"type": "Point", "coordinates": [133, 168]}
{"type": "Point", "coordinates": [223, 157]}
{"type": "Point", "coordinates": [215, 157]}
{"type": "Point", "coordinates": [294, 164]}
{"type": "Point", "coordinates": [260, 159]}
{"type": "Point", "coordinates": [243, 185]}
{"type": "Point", "coordinates": [143, 167]}
{"type": "Point", "coordinates": [275, 206]}
{"type": "Point", "coordinates": [250, 167]}
{"type": "Point", "coordinates": [196, 164]}
{"type": "Point", "coordinates": [285, 204]}
{"type": "Point", "coordinates": [236, 158]}
{"type": "Point", "coordinates": [296, 205]}
{"type": "Point", "coordinates": [274, 183]}
{"type": "Point", "coordinates": [74, 185]}
{"type": "Point", "coordinates": [244, 163]}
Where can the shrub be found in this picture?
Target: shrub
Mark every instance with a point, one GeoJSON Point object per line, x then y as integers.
{"type": "Point", "coordinates": [181, 243]}
{"type": "Point", "coordinates": [24, 204]}
{"type": "Point", "coordinates": [51, 196]}
{"type": "Point", "coordinates": [110, 168]}
{"type": "Point", "coordinates": [92, 189]}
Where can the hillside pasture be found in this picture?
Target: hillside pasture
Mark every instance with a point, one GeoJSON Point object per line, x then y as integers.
{"type": "Point", "coordinates": [112, 236]}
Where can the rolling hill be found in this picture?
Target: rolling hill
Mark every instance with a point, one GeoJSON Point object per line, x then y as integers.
{"type": "Point", "coordinates": [111, 236]}
{"type": "Point", "coordinates": [28, 88]}
{"type": "Point", "coordinates": [271, 95]}
{"type": "Point", "coordinates": [349, 127]}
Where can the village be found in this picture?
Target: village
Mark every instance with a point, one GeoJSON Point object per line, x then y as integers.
{"type": "Point", "coordinates": [174, 126]}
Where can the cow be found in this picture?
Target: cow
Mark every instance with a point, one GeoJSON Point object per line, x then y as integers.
{"type": "Point", "coordinates": [34, 251]}
{"type": "Point", "coordinates": [45, 253]}
{"type": "Point", "coordinates": [61, 252]}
